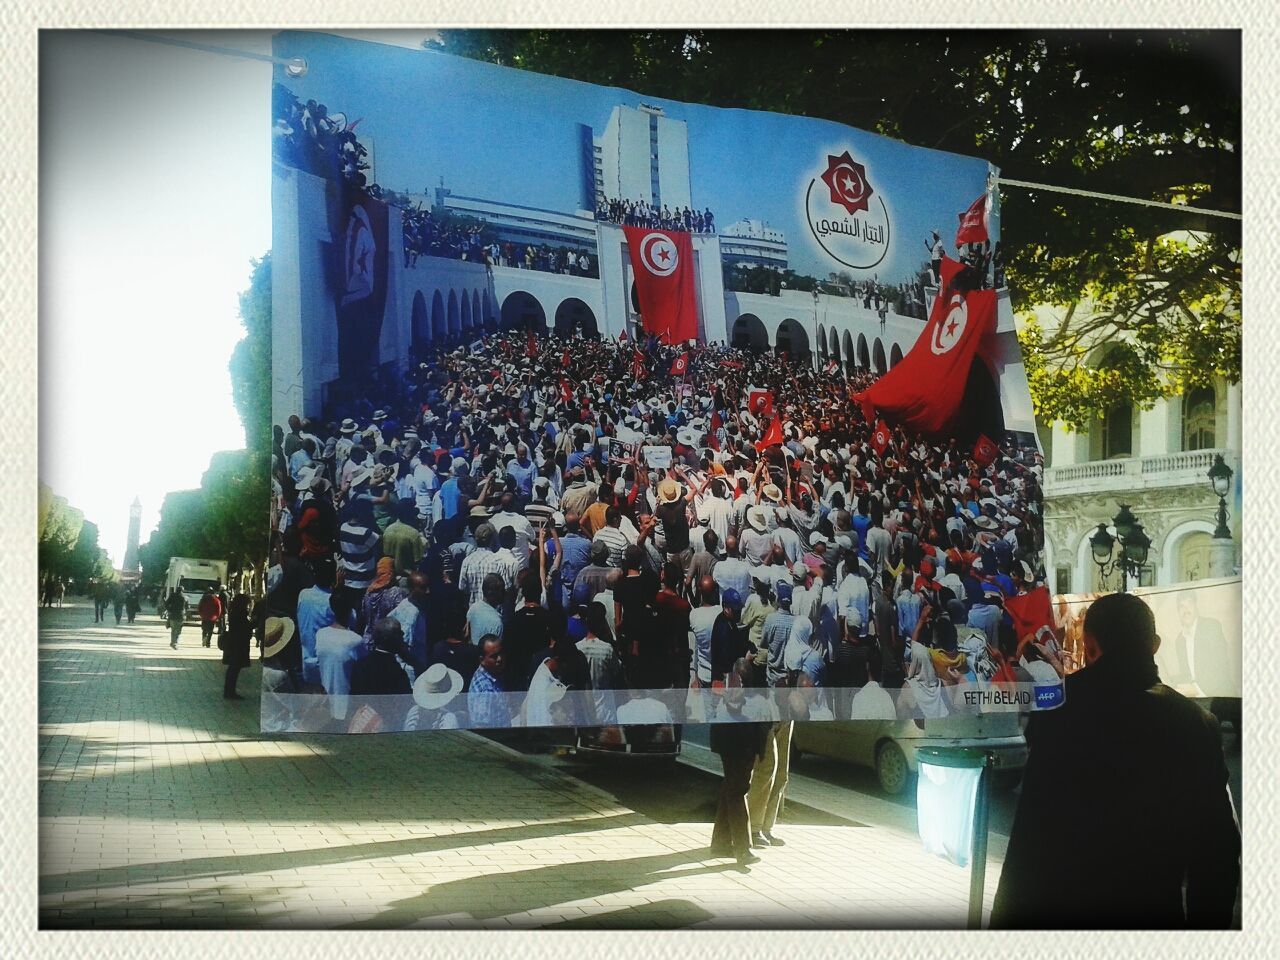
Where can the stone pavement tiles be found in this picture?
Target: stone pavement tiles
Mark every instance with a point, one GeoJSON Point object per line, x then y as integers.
{"type": "Point", "coordinates": [161, 806]}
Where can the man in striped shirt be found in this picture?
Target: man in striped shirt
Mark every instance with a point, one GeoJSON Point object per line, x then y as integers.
{"type": "Point", "coordinates": [361, 546]}
{"type": "Point", "coordinates": [611, 536]}
{"type": "Point", "coordinates": [481, 562]}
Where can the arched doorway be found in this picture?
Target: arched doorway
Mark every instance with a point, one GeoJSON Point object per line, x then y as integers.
{"type": "Point", "coordinates": [420, 320]}
{"type": "Point", "coordinates": [522, 311]}
{"type": "Point", "coordinates": [573, 316]}
{"type": "Point", "coordinates": [490, 321]}
{"type": "Point", "coordinates": [466, 315]}
{"type": "Point", "coordinates": [455, 318]}
{"type": "Point", "coordinates": [439, 325]}
{"type": "Point", "coordinates": [749, 333]}
{"type": "Point", "coordinates": [850, 360]}
{"type": "Point", "coordinates": [877, 357]}
{"type": "Point", "coordinates": [477, 314]}
{"type": "Point", "coordinates": [822, 343]}
{"type": "Point", "coordinates": [794, 339]}
{"type": "Point", "coordinates": [835, 344]}
{"type": "Point", "coordinates": [864, 355]}
{"type": "Point", "coordinates": [895, 355]}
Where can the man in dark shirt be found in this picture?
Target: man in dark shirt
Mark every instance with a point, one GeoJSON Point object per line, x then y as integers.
{"type": "Point", "coordinates": [380, 673]}
{"type": "Point", "coordinates": [729, 641]}
{"type": "Point", "coordinates": [459, 655]}
{"type": "Point", "coordinates": [1125, 818]}
{"type": "Point", "coordinates": [527, 631]}
{"type": "Point", "coordinates": [666, 657]}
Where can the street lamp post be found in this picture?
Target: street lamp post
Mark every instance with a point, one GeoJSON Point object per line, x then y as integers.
{"type": "Point", "coordinates": [1133, 543]}
{"type": "Point", "coordinates": [1222, 551]}
{"type": "Point", "coordinates": [817, 352]}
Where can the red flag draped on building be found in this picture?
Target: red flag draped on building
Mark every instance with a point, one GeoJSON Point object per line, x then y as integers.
{"type": "Point", "coordinates": [1030, 611]}
{"type": "Point", "coordinates": [924, 391]}
{"type": "Point", "coordinates": [973, 223]}
{"type": "Point", "coordinates": [680, 365]}
{"type": "Point", "coordinates": [662, 261]}
{"type": "Point", "coordinates": [772, 437]}
{"type": "Point", "coordinates": [880, 438]}
{"type": "Point", "coordinates": [759, 401]}
{"type": "Point", "coordinates": [985, 449]}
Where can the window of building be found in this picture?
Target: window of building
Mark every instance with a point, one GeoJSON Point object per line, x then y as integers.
{"type": "Point", "coordinates": [1199, 419]}
{"type": "Point", "coordinates": [1117, 432]}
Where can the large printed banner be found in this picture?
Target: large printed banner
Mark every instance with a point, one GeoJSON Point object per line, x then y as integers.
{"type": "Point", "coordinates": [612, 412]}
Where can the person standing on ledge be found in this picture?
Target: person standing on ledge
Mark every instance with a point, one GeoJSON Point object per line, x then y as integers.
{"type": "Point", "coordinates": [1125, 818]}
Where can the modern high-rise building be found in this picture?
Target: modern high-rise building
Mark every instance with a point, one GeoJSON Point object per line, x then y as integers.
{"type": "Point", "coordinates": [131, 561]}
{"type": "Point", "coordinates": [642, 155]}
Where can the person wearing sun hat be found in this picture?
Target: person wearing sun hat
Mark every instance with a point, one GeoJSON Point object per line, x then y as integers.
{"type": "Point", "coordinates": [433, 691]}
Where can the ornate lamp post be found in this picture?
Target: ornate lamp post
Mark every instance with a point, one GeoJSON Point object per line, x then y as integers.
{"type": "Point", "coordinates": [1222, 551]}
{"type": "Point", "coordinates": [1133, 542]}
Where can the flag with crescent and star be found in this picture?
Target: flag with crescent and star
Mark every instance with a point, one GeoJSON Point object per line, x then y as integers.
{"type": "Point", "coordinates": [924, 392]}
{"type": "Point", "coordinates": [973, 222]}
{"type": "Point", "coordinates": [880, 438]}
{"type": "Point", "coordinates": [680, 365]}
{"type": "Point", "coordinates": [662, 262]}
{"type": "Point", "coordinates": [985, 449]}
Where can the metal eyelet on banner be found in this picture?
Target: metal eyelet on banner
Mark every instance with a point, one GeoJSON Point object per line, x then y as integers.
{"type": "Point", "coordinates": [296, 67]}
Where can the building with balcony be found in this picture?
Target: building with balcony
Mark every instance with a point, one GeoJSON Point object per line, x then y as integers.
{"type": "Point", "coordinates": [641, 154]}
{"type": "Point", "coordinates": [1155, 460]}
{"type": "Point", "coordinates": [753, 243]}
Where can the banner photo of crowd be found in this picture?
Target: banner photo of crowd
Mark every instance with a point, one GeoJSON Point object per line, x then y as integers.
{"type": "Point", "coordinates": [603, 411]}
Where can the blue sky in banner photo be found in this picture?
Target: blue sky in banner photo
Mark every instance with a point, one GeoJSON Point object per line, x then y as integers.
{"type": "Point", "coordinates": [509, 135]}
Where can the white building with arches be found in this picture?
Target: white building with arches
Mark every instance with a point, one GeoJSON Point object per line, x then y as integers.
{"type": "Point", "coordinates": [1157, 461]}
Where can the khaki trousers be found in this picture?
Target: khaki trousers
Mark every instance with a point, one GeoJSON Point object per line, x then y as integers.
{"type": "Point", "coordinates": [769, 779]}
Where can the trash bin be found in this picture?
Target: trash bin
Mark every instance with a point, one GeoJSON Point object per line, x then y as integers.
{"type": "Point", "coordinates": [952, 811]}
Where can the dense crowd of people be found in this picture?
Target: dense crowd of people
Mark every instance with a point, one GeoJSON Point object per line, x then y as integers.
{"type": "Point", "coordinates": [498, 523]}
{"type": "Point", "coordinates": [426, 235]}
{"type": "Point", "coordinates": [307, 136]}
{"type": "Point", "coordinates": [642, 213]}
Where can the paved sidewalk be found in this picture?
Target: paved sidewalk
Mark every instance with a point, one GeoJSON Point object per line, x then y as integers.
{"type": "Point", "coordinates": [161, 806]}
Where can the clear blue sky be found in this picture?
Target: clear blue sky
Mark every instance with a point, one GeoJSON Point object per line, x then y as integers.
{"type": "Point", "coordinates": [510, 135]}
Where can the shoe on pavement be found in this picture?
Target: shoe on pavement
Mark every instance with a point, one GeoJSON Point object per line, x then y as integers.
{"type": "Point", "coordinates": [759, 841]}
{"type": "Point", "coordinates": [173, 646]}
{"type": "Point", "coordinates": [747, 858]}
{"type": "Point", "coordinates": [774, 841]}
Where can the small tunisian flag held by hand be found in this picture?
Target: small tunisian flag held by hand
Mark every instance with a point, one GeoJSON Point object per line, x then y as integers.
{"type": "Point", "coordinates": [1030, 611]}
{"type": "Point", "coordinates": [566, 390]}
{"type": "Point", "coordinates": [973, 223]}
{"type": "Point", "coordinates": [880, 438]}
{"type": "Point", "coordinates": [713, 431]}
{"type": "Point", "coordinates": [924, 391]}
{"type": "Point", "coordinates": [772, 437]}
{"type": "Point", "coordinates": [680, 365]}
{"type": "Point", "coordinates": [662, 261]}
{"type": "Point", "coordinates": [985, 449]}
{"type": "Point", "coordinates": [759, 401]}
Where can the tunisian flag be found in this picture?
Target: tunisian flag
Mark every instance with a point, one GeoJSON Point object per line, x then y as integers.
{"type": "Point", "coordinates": [924, 391]}
{"type": "Point", "coordinates": [662, 261]}
{"type": "Point", "coordinates": [772, 437]}
{"type": "Point", "coordinates": [680, 365]}
{"type": "Point", "coordinates": [985, 450]}
{"type": "Point", "coordinates": [973, 223]}
{"type": "Point", "coordinates": [759, 401]}
{"type": "Point", "coordinates": [880, 438]}
{"type": "Point", "coordinates": [1030, 611]}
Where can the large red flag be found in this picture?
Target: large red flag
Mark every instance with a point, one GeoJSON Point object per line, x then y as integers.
{"type": "Point", "coordinates": [973, 223]}
{"type": "Point", "coordinates": [1030, 611]}
{"type": "Point", "coordinates": [772, 437]}
{"type": "Point", "coordinates": [923, 392]}
{"type": "Point", "coordinates": [662, 261]}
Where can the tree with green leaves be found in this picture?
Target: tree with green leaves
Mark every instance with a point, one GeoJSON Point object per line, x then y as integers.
{"type": "Point", "coordinates": [1147, 114]}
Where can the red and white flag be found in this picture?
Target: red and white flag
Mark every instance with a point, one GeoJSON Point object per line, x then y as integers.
{"type": "Point", "coordinates": [680, 365]}
{"type": "Point", "coordinates": [831, 366]}
{"type": "Point", "coordinates": [662, 261]}
{"type": "Point", "coordinates": [973, 222]}
{"type": "Point", "coordinates": [924, 391]}
{"type": "Point", "coordinates": [713, 434]}
{"type": "Point", "coordinates": [622, 337]}
{"type": "Point", "coordinates": [772, 437]}
{"type": "Point", "coordinates": [732, 364]}
{"type": "Point", "coordinates": [759, 401]}
{"type": "Point", "coordinates": [566, 390]}
{"type": "Point", "coordinates": [1029, 612]}
{"type": "Point", "coordinates": [880, 438]}
{"type": "Point", "coordinates": [637, 365]}
{"type": "Point", "coordinates": [985, 449]}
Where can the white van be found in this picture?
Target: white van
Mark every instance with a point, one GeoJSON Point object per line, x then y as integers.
{"type": "Point", "coordinates": [192, 577]}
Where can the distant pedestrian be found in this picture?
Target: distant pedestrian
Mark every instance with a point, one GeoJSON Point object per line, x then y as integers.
{"type": "Point", "coordinates": [175, 612]}
{"type": "Point", "coordinates": [117, 602]}
{"type": "Point", "coordinates": [1151, 840]}
{"type": "Point", "coordinates": [132, 604]}
{"type": "Point", "coordinates": [235, 644]}
{"type": "Point", "coordinates": [210, 610]}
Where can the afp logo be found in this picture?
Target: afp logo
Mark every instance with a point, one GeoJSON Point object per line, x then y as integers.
{"type": "Point", "coordinates": [1048, 696]}
{"type": "Point", "coordinates": [846, 214]}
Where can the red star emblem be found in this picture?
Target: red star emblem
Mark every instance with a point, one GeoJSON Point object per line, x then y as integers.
{"type": "Point", "coordinates": [847, 181]}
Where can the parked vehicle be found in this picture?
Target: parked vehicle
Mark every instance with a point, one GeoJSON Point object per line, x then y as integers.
{"type": "Point", "coordinates": [191, 577]}
{"type": "Point", "coordinates": [889, 746]}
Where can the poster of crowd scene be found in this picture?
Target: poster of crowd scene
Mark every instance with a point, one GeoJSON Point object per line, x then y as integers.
{"type": "Point", "coordinates": [539, 462]}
